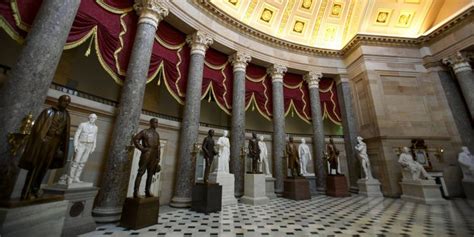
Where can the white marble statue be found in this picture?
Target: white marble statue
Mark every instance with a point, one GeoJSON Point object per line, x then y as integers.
{"type": "Point", "coordinates": [224, 153]}
{"type": "Point", "coordinates": [305, 156]}
{"type": "Point", "coordinates": [410, 166]}
{"type": "Point", "coordinates": [466, 161]}
{"type": "Point", "coordinates": [361, 149]}
{"type": "Point", "coordinates": [264, 157]}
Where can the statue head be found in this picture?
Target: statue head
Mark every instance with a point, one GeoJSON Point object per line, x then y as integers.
{"type": "Point", "coordinates": [225, 133]}
{"type": "Point", "coordinates": [154, 123]}
{"type": "Point", "coordinates": [359, 139]}
{"type": "Point", "coordinates": [465, 150]}
{"type": "Point", "coordinates": [92, 118]}
{"type": "Point", "coordinates": [254, 135]}
{"type": "Point", "coordinates": [63, 102]}
{"type": "Point", "coordinates": [303, 141]}
{"type": "Point", "coordinates": [406, 150]}
{"type": "Point", "coordinates": [211, 132]}
{"type": "Point", "coordinates": [261, 138]}
{"type": "Point", "coordinates": [290, 138]}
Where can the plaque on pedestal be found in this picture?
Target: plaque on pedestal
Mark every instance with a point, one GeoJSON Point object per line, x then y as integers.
{"type": "Point", "coordinates": [206, 198]}
{"type": "Point", "coordinates": [270, 187]}
{"type": "Point", "coordinates": [369, 187]}
{"type": "Point", "coordinates": [336, 186]}
{"type": "Point", "coordinates": [422, 191]}
{"type": "Point", "coordinates": [254, 192]}
{"type": "Point", "coordinates": [138, 213]}
{"type": "Point", "coordinates": [296, 188]}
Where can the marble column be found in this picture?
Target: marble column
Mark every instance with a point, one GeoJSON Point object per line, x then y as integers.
{"type": "Point", "coordinates": [313, 78]}
{"type": "Point", "coordinates": [199, 43]}
{"type": "Point", "coordinates": [239, 61]}
{"type": "Point", "coordinates": [278, 117]}
{"type": "Point", "coordinates": [349, 124]}
{"type": "Point", "coordinates": [463, 71]}
{"type": "Point", "coordinates": [27, 85]}
{"type": "Point", "coordinates": [113, 189]}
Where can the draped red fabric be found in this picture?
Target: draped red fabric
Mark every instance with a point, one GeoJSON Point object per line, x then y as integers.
{"type": "Point", "coordinates": [217, 78]}
{"type": "Point", "coordinates": [258, 90]}
{"type": "Point", "coordinates": [329, 101]}
{"type": "Point", "coordinates": [295, 94]}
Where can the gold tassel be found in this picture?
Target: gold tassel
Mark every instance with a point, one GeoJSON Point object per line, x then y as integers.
{"type": "Point", "coordinates": [88, 51]}
{"type": "Point", "coordinates": [253, 107]}
{"type": "Point", "coordinates": [209, 99]}
{"type": "Point", "coordinates": [292, 113]}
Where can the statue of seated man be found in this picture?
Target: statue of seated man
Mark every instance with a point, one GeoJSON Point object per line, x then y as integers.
{"type": "Point", "coordinates": [408, 164]}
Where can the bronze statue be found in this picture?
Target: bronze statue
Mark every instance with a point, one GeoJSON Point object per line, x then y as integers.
{"type": "Point", "coordinates": [209, 153]}
{"type": "Point", "coordinates": [47, 146]}
{"type": "Point", "coordinates": [333, 155]}
{"type": "Point", "coordinates": [148, 142]}
{"type": "Point", "coordinates": [293, 159]}
{"type": "Point", "coordinates": [254, 153]}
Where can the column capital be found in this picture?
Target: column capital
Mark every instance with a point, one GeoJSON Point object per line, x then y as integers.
{"type": "Point", "coordinates": [458, 62]}
{"type": "Point", "coordinates": [199, 42]}
{"type": "Point", "coordinates": [313, 78]}
{"type": "Point", "coordinates": [239, 60]}
{"type": "Point", "coordinates": [151, 11]}
{"type": "Point", "coordinates": [277, 72]}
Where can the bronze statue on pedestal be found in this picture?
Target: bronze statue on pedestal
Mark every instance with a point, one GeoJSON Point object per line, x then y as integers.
{"type": "Point", "coordinates": [332, 157]}
{"type": "Point", "coordinates": [254, 154]}
{"type": "Point", "coordinates": [209, 153]}
{"type": "Point", "coordinates": [293, 159]}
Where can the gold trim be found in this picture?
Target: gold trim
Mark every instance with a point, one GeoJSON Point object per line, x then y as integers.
{"type": "Point", "coordinates": [10, 31]}
{"type": "Point", "coordinates": [113, 9]}
{"type": "Point", "coordinates": [80, 41]}
{"type": "Point", "coordinates": [254, 101]}
{"type": "Point", "coordinates": [16, 15]}
{"type": "Point", "coordinates": [123, 31]}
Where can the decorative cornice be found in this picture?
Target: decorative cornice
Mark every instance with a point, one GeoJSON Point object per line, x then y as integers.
{"type": "Point", "coordinates": [199, 42]}
{"type": "Point", "coordinates": [277, 72]}
{"type": "Point", "coordinates": [151, 11]}
{"type": "Point", "coordinates": [313, 78]}
{"type": "Point", "coordinates": [458, 62]}
{"type": "Point", "coordinates": [240, 60]}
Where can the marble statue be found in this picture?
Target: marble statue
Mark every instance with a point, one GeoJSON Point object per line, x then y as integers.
{"type": "Point", "coordinates": [415, 169]}
{"type": "Point", "coordinates": [148, 142]}
{"type": "Point", "coordinates": [209, 153]}
{"type": "Point", "coordinates": [305, 156]}
{"type": "Point", "coordinates": [264, 156]}
{"type": "Point", "coordinates": [293, 159]}
{"type": "Point", "coordinates": [333, 157]}
{"type": "Point", "coordinates": [361, 149]}
{"type": "Point", "coordinates": [224, 153]}
{"type": "Point", "coordinates": [254, 153]}
{"type": "Point", "coordinates": [466, 161]}
{"type": "Point", "coordinates": [47, 146]}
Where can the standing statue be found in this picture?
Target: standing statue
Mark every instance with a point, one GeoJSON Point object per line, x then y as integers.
{"type": "Point", "coordinates": [47, 146]}
{"type": "Point", "coordinates": [361, 149]}
{"type": "Point", "coordinates": [148, 142]}
{"type": "Point", "coordinates": [466, 161]}
{"type": "Point", "coordinates": [414, 169]}
{"type": "Point", "coordinates": [264, 156]}
{"type": "Point", "coordinates": [305, 156]}
{"type": "Point", "coordinates": [209, 153]}
{"type": "Point", "coordinates": [292, 156]}
{"type": "Point", "coordinates": [333, 157]}
{"type": "Point", "coordinates": [254, 153]}
{"type": "Point", "coordinates": [224, 153]}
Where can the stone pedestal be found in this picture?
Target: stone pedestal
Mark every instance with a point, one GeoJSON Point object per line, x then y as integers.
{"type": "Point", "coordinates": [422, 191]}
{"type": "Point", "coordinates": [296, 189]}
{"type": "Point", "coordinates": [226, 180]}
{"type": "Point", "coordinates": [206, 198]}
{"type": "Point", "coordinates": [254, 191]}
{"type": "Point", "coordinates": [468, 187]}
{"type": "Point", "coordinates": [270, 187]}
{"type": "Point", "coordinates": [312, 185]}
{"type": "Point", "coordinates": [36, 219]}
{"type": "Point", "coordinates": [138, 213]}
{"type": "Point", "coordinates": [336, 186]}
{"type": "Point", "coordinates": [369, 187]}
{"type": "Point", "coordinates": [79, 210]}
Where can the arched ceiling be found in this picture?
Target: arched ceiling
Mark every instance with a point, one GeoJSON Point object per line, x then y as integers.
{"type": "Point", "coordinates": [330, 24]}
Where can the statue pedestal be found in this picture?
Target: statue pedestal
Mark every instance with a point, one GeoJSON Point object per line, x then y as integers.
{"type": "Point", "coordinates": [296, 189]}
{"type": "Point", "coordinates": [468, 186]}
{"type": "Point", "coordinates": [312, 184]}
{"type": "Point", "coordinates": [336, 186]}
{"type": "Point", "coordinates": [79, 210]}
{"type": "Point", "coordinates": [39, 217]}
{"type": "Point", "coordinates": [422, 191]}
{"type": "Point", "coordinates": [138, 213]}
{"type": "Point", "coordinates": [227, 181]}
{"type": "Point", "coordinates": [369, 187]}
{"type": "Point", "coordinates": [270, 187]}
{"type": "Point", "coordinates": [254, 192]}
{"type": "Point", "coordinates": [206, 198]}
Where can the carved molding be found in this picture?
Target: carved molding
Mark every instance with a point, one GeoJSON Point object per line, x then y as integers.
{"type": "Point", "coordinates": [199, 42]}
{"type": "Point", "coordinates": [313, 78]}
{"type": "Point", "coordinates": [240, 61]}
{"type": "Point", "coordinates": [458, 62]}
{"type": "Point", "coordinates": [277, 72]}
{"type": "Point", "coordinates": [151, 11]}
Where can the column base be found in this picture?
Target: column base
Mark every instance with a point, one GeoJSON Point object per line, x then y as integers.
{"type": "Point", "coordinates": [270, 187]}
{"type": "Point", "coordinates": [369, 187]}
{"type": "Point", "coordinates": [140, 212]}
{"type": "Point", "coordinates": [180, 202]}
{"type": "Point", "coordinates": [207, 198]}
{"type": "Point", "coordinates": [255, 193]}
{"type": "Point", "coordinates": [296, 189]}
{"type": "Point", "coordinates": [422, 191]}
{"type": "Point", "coordinates": [104, 215]}
{"type": "Point", "coordinates": [336, 186]}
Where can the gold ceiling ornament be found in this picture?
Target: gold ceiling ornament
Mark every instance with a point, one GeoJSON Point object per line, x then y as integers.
{"type": "Point", "coordinates": [233, 2]}
{"type": "Point", "coordinates": [404, 19]}
{"type": "Point", "coordinates": [306, 4]}
{"type": "Point", "coordinates": [299, 26]}
{"type": "Point", "coordinates": [266, 15]}
{"type": "Point", "coordinates": [336, 10]}
{"type": "Point", "coordinates": [383, 16]}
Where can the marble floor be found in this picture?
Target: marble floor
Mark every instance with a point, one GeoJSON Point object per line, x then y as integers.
{"type": "Point", "coordinates": [320, 216]}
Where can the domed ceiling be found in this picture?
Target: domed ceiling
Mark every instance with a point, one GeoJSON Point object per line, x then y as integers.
{"type": "Point", "coordinates": [331, 24]}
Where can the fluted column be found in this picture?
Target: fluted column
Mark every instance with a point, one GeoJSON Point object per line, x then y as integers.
{"type": "Point", "coordinates": [239, 61]}
{"type": "Point", "coordinates": [27, 85]}
{"type": "Point", "coordinates": [463, 71]}
{"type": "Point", "coordinates": [199, 43]}
{"type": "Point", "coordinates": [113, 189]}
{"type": "Point", "coordinates": [313, 78]}
{"type": "Point", "coordinates": [278, 117]}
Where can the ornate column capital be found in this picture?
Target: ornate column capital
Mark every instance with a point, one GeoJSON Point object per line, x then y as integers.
{"type": "Point", "coordinates": [277, 72]}
{"type": "Point", "coordinates": [313, 78]}
{"type": "Point", "coordinates": [458, 62]}
{"type": "Point", "coordinates": [199, 42]}
{"type": "Point", "coordinates": [151, 11]}
{"type": "Point", "coordinates": [239, 60]}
